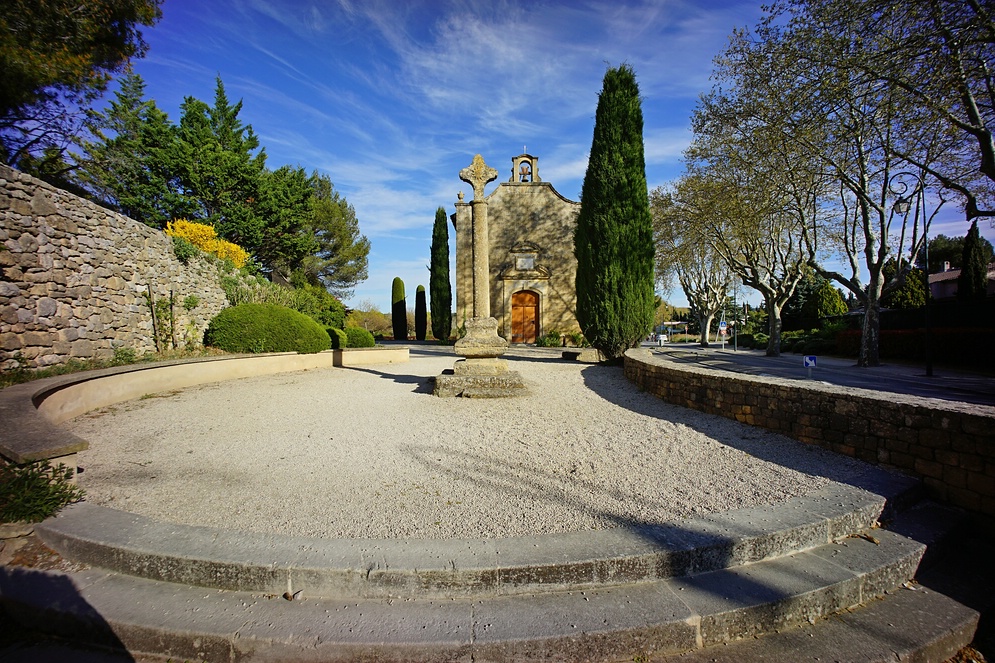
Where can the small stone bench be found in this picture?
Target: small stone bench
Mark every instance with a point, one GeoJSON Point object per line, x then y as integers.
{"type": "Point", "coordinates": [586, 355]}
{"type": "Point", "coordinates": [31, 412]}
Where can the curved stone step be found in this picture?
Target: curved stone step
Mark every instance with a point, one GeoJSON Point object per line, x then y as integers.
{"type": "Point", "coordinates": [357, 568]}
{"type": "Point", "coordinates": [612, 622]}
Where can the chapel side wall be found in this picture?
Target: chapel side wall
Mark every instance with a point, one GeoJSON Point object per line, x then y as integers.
{"type": "Point", "coordinates": [74, 278]}
{"type": "Point", "coordinates": [536, 213]}
{"type": "Point", "coordinates": [948, 445]}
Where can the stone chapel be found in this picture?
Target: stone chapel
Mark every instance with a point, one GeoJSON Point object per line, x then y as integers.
{"type": "Point", "coordinates": [531, 256]}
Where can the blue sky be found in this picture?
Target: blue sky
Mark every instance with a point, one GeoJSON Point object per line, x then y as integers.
{"type": "Point", "coordinates": [391, 98]}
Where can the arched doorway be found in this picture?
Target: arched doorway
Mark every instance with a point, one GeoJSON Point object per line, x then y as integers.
{"type": "Point", "coordinates": [524, 316]}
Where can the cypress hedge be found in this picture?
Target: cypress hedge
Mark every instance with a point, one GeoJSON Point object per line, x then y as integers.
{"type": "Point", "coordinates": [398, 310]}
{"type": "Point", "coordinates": [421, 315]}
{"type": "Point", "coordinates": [440, 289]}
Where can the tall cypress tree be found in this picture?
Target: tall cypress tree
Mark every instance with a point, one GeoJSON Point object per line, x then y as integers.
{"type": "Point", "coordinates": [613, 241]}
{"type": "Point", "coordinates": [421, 314]}
{"type": "Point", "coordinates": [972, 283]}
{"type": "Point", "coordinates": [440, 290]}
{"type": "Point", "coordinates": [398, 310]}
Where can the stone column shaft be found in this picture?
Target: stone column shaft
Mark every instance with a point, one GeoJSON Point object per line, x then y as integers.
{"type": "Point", "coordinates": [481, 261]}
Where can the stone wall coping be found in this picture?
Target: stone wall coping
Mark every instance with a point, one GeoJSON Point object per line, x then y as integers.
{"type": "Point", "coordinates": [32, 411]}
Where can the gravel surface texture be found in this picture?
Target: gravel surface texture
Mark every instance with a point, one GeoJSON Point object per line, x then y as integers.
{"type": "Point", "coordinates": [371, 453]}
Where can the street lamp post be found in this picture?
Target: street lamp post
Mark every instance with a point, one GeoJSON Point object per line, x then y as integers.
{"type": "Point", "coordinates": [902, 206]}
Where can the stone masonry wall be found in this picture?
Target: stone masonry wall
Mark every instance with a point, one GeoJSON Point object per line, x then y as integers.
{"type": "Point", "coordinates": [949, 445]}
{"type": "Point", "coordinates": [74, 278]}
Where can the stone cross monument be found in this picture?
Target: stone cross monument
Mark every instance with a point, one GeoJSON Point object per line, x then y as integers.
{"type": "Point", "coordinates": [477, 175]}
{"type": "Point", "coordinates": [482, 373]}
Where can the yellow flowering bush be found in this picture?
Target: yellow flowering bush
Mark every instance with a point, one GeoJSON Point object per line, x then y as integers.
{"type": "Point", "coordinates": [206, 239]}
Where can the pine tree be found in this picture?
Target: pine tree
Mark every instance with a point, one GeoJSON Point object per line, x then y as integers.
{"type": "Point", "coordinates": [398, 310]}
{"type": "Point", "coordinates": [284, 207]}
{"type": "Point", "coordinates": [439, 286]}
{"type": "Point", "coordinates": [421, 314]}
{"type": "Point", "coordinates": [341, 259]}
{"type": "Point", "coordinates": [219, 170]}
{"type": "Point", "coordinates": [132, 164]}
{"type": "Point", "coordinates": [972, 283]}
{"type": "Point", "coordinates": [613, 241]}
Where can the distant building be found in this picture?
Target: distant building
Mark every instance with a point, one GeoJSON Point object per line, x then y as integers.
{"type": "Point", "coordinates": [943, 285]}
{"type": "Point", "coordinates": [531, 252]}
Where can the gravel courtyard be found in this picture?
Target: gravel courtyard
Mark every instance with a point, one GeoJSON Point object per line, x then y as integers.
{"type": "Point", "coordinates": [371, 453]}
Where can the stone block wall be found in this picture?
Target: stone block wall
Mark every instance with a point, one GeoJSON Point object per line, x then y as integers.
{"type": "Point", "coordinates": [74, 278]}
{"type": "Point", "coordinates": [949, 445]}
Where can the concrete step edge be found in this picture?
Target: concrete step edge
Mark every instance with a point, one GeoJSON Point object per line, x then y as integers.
{"type": "Point", "coordinates": [240, 561]}
{"type": "Point", "coordinates": [663, 616]}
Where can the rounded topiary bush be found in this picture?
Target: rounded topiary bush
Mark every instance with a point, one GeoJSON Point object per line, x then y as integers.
{"type": "Point", "coordinates": [265, 328]}
{"type": "Point", "coordinates": [339, 338]}
{"type": "Point", "coordinates": [359, 337]}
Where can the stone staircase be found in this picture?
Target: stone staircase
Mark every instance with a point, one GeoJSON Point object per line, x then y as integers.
{"type": "Point", "coordinates": [697, 590]}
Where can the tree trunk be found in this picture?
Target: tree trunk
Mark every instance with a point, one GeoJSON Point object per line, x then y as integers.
{"type": "Point", "coordinates": [870, 337]}
{"type": "Point", "coordinates": [706, 324]}
{"type": "Point", "coordinates": [774, 318]}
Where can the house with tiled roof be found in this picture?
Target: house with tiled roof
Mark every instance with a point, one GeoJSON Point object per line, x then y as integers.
{"type": "Point", "coordinates": [943, 285]}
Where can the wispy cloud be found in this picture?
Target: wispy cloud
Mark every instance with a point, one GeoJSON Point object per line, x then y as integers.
{"type": "Point", "coordinates": [390, 99]}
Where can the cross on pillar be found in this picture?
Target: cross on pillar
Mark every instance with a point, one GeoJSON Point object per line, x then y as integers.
{"type": "Point", "coordinates": [477, 175]}
{"type": "Point", "coordinates": [482, 372]}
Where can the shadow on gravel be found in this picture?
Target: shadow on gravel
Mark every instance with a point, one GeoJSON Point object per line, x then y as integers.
{"type": "Point", "coordinates": [762, 444]}
{"type": "Point", "coordinates": [423, 385]}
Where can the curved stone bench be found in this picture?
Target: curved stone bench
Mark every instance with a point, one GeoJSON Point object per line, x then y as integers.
{"type": "Point", "coordinates": [31, 412]}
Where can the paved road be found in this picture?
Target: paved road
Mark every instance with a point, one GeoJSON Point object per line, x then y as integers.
{"type": "Point", "coordinates": [946, 383]}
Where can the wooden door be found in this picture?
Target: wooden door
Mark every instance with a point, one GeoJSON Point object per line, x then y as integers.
{"type": "Point", "coordinates": [524, 317]}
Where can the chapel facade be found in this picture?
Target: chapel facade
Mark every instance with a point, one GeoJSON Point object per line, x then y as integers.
{"type": "Point", "coordinates": [531, 256]}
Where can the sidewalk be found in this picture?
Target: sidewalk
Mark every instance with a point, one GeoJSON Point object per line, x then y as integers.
{"type": "Point", "coordinates": [946, 383]}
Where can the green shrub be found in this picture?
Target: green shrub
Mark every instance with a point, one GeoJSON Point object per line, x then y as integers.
{"type": "Point", "coordinates": [183, 249]}
{"type": "Point", "coordinates": [124, 356]}
{"type": "Point", "coordinates": [551, 339]}
{"type": "Point", "coordinates": [830, 330]}
{"type": "Point", "coordinates": [760, 340]}
{"type": "Point", "coordinates": [35, 491]}
{"type": "Point", "coordinates": [577, 340]}
{"type": "Point", "coordinates": [315, 301]}
{"type": "Point", "coordinates": [265, 328]}
{"type": "Point", "coordinates": [818, 346]}
{"type": "Point", "coordinates": [339, 338]}
{"type": "Point", "coordinates": [359, 337]}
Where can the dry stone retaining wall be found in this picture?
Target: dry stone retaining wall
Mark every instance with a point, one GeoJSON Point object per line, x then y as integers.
{"type": "Point", "coordinates": [949, 445]}
{"type": "Point", "coordinates": [74, 278]}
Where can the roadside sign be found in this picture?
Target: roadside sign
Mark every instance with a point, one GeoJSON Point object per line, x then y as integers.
{"type": "Point", "coordinates": [809, 361]}
{"type": "Point", "coordinates": [722, 325]}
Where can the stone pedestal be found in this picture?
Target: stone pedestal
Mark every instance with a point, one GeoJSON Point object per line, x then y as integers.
{"type": "Point", "coordinates": [482, 373]}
